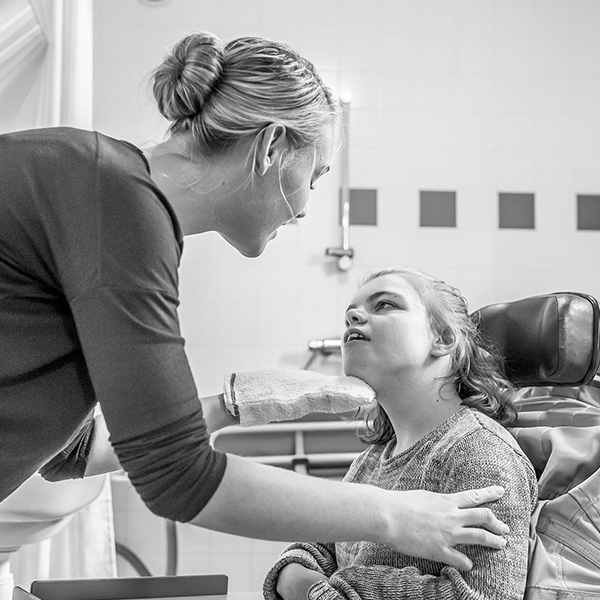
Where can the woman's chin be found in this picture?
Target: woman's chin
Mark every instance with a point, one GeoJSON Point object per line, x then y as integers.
{"type": "Point", "coordinates": [259, 247]}
{"type": "Point", "coordinates": [249, 249]}
{"type": "Point", "coordinates": [250, 253]}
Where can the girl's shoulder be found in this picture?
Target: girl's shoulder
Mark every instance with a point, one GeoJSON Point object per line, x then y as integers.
{"type": "Point", "coordinates": [476, 434]}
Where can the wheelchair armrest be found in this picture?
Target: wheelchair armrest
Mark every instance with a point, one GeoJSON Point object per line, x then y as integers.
{"type": "Point", "coordinates": [545, 340]}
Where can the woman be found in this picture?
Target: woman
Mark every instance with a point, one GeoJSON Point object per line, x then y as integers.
{"type": "Point", "coordinates": [436, 425]}
{"type": "Point", "coordinates": [91, 232]}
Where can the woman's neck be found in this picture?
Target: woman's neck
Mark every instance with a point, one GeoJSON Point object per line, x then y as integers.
{"type": "Point", "coordinates": [196, 185]}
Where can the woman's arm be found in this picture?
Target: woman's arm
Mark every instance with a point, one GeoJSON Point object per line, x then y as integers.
{"type": "Point", "coordinates": [102, 457]}
{"type": "Point", "coordinates": [270, 503]}
{"type": "Point", "coordinates": [256, 500]}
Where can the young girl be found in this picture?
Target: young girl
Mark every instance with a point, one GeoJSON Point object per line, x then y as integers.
{"type": "Point", "coordinates": [437, 425]}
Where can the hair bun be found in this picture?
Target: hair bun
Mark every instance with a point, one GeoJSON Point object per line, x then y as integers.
{"type": "Point", "coordinates": [188, 75]}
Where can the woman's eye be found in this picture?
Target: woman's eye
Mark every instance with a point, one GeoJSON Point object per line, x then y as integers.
{"type": "Point", "coordinates": [312, 187]}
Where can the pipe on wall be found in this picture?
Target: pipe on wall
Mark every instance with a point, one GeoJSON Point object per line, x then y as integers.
{"type": "Point", "coordinates": [344, 253]}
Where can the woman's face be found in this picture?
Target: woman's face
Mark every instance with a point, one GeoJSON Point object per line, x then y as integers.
{"type": "Point", "coordinates": [279, 198]}
{"type": "Point", "coordinates": [388, 335]}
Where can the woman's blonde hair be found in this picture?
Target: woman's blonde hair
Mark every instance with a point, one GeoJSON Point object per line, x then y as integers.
{"type": "Point", "coordinates": [223, 93]}
{"type": "Point", "coordinates": [477, 372]}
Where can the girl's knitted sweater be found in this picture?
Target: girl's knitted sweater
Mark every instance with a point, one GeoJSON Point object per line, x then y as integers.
{"type": "Point", "coordinates": [468, 451]}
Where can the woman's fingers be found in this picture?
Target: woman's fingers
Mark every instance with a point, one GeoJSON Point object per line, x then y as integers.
{"type": "Point", "coordinates": [471, 536]}
{"type": "Point", "coordinates": [480, 537]}
{"type": "Point", "coordinates": [472, 521]}
{"type": "Point", "coordinates": [484, 517]}
{"type": "Point", "coordinates": [472, 498]}
{"type": "Point", "coordinates": [481, 516]}
{"type": "Point", "coordinates": [434, 524]}
{"type": "Point", "coordinates": [456, 559]}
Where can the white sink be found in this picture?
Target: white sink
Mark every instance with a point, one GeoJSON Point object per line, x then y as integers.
{"type": "Point", "coordinates": [36, 511]}
{"type": "Point", "coordinates": [38, 508]}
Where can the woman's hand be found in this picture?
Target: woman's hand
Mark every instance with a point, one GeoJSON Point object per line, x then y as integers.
{"type": "Point", "coordinates": [295, 580]}
{"type": "Point", "coordinates": [429, 525]}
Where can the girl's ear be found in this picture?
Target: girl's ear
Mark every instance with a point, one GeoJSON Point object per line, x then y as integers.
{"type": "Point", "coordinates": [442, 346]}
{"type": "Point", "coordinates": [271, 142]}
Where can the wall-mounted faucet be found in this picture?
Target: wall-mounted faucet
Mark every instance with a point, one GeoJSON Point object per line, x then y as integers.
{"type": "Point", "coordinates": [325, 347]}
{"type": "Point", "coordinates": [344, 254]}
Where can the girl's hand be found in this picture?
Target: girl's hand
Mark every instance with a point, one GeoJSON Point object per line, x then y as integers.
{"type": "Point", "coordinates": [295, 580]}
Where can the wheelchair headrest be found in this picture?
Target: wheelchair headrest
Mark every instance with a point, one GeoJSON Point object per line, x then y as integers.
{"type": "Point", "coordinates": [545, 340]}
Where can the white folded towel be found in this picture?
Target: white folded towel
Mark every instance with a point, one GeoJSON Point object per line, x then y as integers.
{"type": "Point", "coordinates": [268, 395]}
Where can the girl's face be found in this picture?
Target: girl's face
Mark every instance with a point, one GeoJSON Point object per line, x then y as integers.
{"type": "Point", "coordinates": [281, 198]}
{"type": "Point", "coordinates": [388, 335]}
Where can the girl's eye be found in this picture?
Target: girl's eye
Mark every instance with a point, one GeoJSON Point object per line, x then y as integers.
{"type": "Point", "coordinates": [383, 304]}
{"type": "Point", "coordinates": [312, 187]}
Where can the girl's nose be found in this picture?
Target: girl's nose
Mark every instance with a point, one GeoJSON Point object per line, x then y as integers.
{"type": "Point", "coordinates": [355, 316]}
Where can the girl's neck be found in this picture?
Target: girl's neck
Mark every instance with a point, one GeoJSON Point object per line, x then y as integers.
{"type": "Point", "coordinates": [416, 410]}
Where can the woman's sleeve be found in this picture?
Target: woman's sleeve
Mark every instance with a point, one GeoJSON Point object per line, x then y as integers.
{"type": "Point", "coordinates": [118, 270]}
{"type": "Point", "coordinates": [141, 377]}
{"type": "Point", "coordinates": [314, 556]}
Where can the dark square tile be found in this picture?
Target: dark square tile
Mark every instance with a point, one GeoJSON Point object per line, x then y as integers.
{"type": "Point", "coordinates": [516, 211]}
{"type": "Point", "coordinates": [438, 209]}
{"type": "Point", "coordinates": [363, 207]}
{"type": "Point", "coordinates": [588, 212]}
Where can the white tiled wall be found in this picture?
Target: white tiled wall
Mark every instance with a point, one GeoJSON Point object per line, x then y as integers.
{"type": "Point", "coordinates": [475, 96]}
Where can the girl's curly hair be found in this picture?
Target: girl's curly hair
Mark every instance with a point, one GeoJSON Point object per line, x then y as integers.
{"type": "Point", "coordinates": [477, 371]}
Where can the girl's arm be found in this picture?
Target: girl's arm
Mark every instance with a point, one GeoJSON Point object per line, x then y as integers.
{"type": "Point", "coordinates": [298, 567]}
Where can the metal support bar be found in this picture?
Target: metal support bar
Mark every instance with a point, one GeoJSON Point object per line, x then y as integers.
{"type": "Point", "coordinates": [344, 253]}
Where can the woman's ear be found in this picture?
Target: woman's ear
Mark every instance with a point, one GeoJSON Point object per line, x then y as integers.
{"type": "Point", "coordinates": [271, 143]}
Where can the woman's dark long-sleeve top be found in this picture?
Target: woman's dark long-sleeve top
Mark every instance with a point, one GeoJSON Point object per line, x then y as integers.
{"type": "Point", "coordinates": [468, 451]}
{"type": "Point", "coordinates": [89, 253]}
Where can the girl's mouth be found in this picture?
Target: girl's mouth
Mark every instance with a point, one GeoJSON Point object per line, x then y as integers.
{"type": "Point", "coordinates": [354, 335]}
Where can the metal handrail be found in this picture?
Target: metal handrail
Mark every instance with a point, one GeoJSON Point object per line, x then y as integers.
{"type": "Point", "coordinates": [300, 460]}
{"type": "Point", "coordinates": [289, 426]}
{"type": "Point", "coordinates": [317, 459]}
